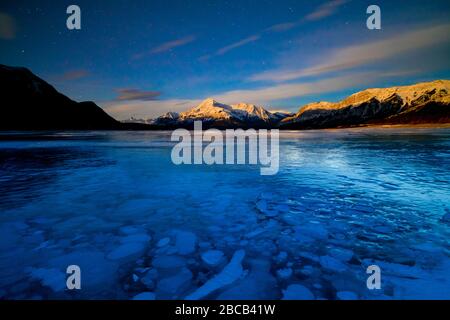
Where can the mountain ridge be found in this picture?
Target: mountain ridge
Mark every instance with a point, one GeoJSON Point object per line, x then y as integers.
{"type": "Point", "coordinates": [30, 103]}
{"type": "Point", "coordinates": [421, 103]}
{"type": "Point", "coordinates": [425, 102]}
{"type": "Point", "coordinates": [220, 115]}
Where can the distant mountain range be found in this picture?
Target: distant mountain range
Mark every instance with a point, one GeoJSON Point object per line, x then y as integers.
{"type": "Point", "coordinates": [423, 103]}
{"type": "Point", "coordinates": [29, 103]}
{"type": "Point", "coordinates": [218, 115]}
{"type": "Point", "coordinates": [427, 102]}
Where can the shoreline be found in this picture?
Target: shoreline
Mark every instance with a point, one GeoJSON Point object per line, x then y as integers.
{"type": "Point", "coordinates": [368, 126]}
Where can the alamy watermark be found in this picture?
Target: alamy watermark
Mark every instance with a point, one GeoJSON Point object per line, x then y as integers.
{"type": "Point", "coordinates": [227, 147]}
{"type": "Point", "coordinates": [374, 20]}
{"type": "Point", "coordinates": [73, 21]}
{"type": "Point", "coordinates": [74, 279]}
{"type": "Point", "coordinates": [374, 280]}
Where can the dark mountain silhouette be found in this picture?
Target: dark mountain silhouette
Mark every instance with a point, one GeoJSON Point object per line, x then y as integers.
{"type": "Point", "coordinates": [29, 102]}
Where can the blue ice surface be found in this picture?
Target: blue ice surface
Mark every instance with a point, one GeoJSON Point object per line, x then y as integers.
{"type": "Point", "coordinates": [141, 227]}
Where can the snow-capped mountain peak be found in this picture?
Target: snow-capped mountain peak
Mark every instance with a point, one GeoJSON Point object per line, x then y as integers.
{"type": "Point", "coordinates": [210, 103]}
{"type": "Point", "coordinates": [213, 110]}
{"type": "Point", "coordinates": [254, 111]}
{"type": "Point", "coordinates": [170, 115]}
{"type": "Point", "coordinates": [426, 102]}
{"type": "Point", "coordinates": [209, 109]}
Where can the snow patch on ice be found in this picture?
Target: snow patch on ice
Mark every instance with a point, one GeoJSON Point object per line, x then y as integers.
{"type": "Point", "coordinates": [230, 273]}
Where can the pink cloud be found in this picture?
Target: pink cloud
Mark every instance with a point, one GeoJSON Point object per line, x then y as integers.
{"type": "Point", "coordinates": [8, 26]}
{"type": "Point", "coordinates": [166, 46]}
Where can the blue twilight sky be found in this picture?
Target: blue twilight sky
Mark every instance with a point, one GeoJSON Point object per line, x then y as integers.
{"type": "Point", "coordinates": [143, 58]}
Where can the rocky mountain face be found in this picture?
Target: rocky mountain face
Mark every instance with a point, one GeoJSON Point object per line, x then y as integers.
{"type": "Point", "coordinates": [222, 116]}
{"type": "Point", "coordinates": [422, 103]}
{"type": "Point", "coordinates": [255, 113]}
{"type": "Point", "coordinates": [29, 102]}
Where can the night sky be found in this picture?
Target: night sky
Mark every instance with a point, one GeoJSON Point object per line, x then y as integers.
{"type": "Point", "coordinates": [143, 58]}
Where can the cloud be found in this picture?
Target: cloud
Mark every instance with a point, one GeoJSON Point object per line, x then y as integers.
{"type": "Point", "coordinates": [280, 27]}
{"type": "Point", "coordinates": [238, 44]}
{"type": "Point", "coordinates": [166, 46]}
{"type": "Point", "coordinates": [325, 10]}
{"type": "Point", "coordinates": [74, 75]}
{"type": "Point", "coordinates": [8, 27]}
{"type": "Point", "coordinates": [148, 109]}
{"type": "Point", "coordinates": [364, 54]}
{"type": "Point", "coordinates": [127, 94]}
{"type": "Point", "coordinates": [230, 47]}
{"type": "Point", "coordinates": [322, 11]}
{"type": "Point", "coordinates": [172, 44]}
{"type": "Point", "coordinates": [285, 91]}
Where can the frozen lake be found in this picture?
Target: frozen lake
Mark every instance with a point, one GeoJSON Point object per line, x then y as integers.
{"type": "Point", "coordinates": [138, 225]}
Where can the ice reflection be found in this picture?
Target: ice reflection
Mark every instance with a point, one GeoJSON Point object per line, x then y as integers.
{"type": "Point", "coordinates": [114, 203]}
